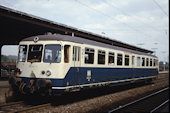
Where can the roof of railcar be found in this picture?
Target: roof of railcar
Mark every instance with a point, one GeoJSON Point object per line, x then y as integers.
{"type": "Point", "coordinates": [60, 37]}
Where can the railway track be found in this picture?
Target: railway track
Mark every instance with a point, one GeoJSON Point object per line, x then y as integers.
{"type": "Point", "coordinates": [21, 107]}
{"type": "Point", "coordinates": [160, 79]}
{"type": "Point", "coordinates": [149, 103]}
{"type": "Point", "coordinates": [10, 105]}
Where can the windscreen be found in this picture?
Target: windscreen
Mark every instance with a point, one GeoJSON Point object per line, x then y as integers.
{"type": "Point", "coordinates": [22, 53]}
{"type": "Point", "coordinates": [52, 53]}
{"type": "Point", "coordinates": [35, 53]}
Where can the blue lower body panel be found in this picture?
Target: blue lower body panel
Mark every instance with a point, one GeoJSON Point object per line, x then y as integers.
{"type": "Point", "coordinates": [86, 75]}
{"type": "Point", "coordinates": [75, 77]}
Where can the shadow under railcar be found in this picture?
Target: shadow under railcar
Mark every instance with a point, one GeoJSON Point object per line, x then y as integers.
{"type": "Point", "coordinates": [71, 97]}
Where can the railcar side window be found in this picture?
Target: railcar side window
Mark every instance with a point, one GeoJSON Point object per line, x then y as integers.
{"type": "Point", "coordinates": [22, 53]}
{"type": "Point", "coordinates": [89, 56]}
{"type": "Point", "coordinates": [154, 62]}
{"type": "Point", "coordinates": [111, 58]}
{"type": "Point", "coordinates": [133, 60]}
{"type": "Point", "coordinates": [35, 53]}
{"type": "Point", "coordinates": [147, 62]}
{"type": "Point", "coordinates": [52, 53]}
{"type": "Point", "coordinates": [119, 59]}
{"type": "Point", "coordinates": [101, 57]}
{"type": "Point", "coordinates": [79, 51]}
{"type": "Point", "coordinates": [126, 60]}
{"type": "Point", "coordinates": [76, 53]}
{"type": "Point", "coordinates": [66, 53]}
{"type": "Point", "coordinates": [143, 61]}
{"type": "Point", "coordinates": [150, 62]}
{"type": "Point", "coordinates": [138, 61]}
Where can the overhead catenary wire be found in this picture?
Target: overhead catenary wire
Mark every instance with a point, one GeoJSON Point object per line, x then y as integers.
{"type": "Point", "coordinates": [110, 17]}
{"type": "Point", "coordinates": [163, 12]}
{"type": "Point", "coordinates": [160, 8]}
{"type": "Point", "coordinates": [125, 13]}
{"type": "Point", "coordinates": [122, 30]}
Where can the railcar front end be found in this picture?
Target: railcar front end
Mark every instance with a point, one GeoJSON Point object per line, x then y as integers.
{"type": "Point", "coordinates": [40, 67]}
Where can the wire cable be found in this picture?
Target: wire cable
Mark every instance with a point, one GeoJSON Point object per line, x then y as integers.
{"type": "Point", "coordinates": [110, 17]}
{"type": "Point", "coordinates": [160, 8]}
{"type": "Point", "coordinates": [125, 13]}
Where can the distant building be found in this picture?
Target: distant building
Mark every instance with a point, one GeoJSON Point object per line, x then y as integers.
{"type": "Point", "coordinates": [161, 66]}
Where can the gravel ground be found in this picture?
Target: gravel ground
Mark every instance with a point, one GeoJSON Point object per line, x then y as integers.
{"type": "Point", "coordinates": [4, 89]}
{"type": "Point", "coordinates": [110, 101]}
{"type": "Point", "coordinates": [162, 75]}
{"type": "Point", "coordinates": [2, 94]}
{"type": "Point", "coordinates": [102, 103]}
{"type": "Point", "coordinates": [4, 84]}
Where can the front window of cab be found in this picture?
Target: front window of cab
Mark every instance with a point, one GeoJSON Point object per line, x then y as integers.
{"type": "Point", "coordinates": [52, 53]}
{"type": "Point", "coordinates": [22, 53]}
{"type": "Point", "coordinates": [35, 53]}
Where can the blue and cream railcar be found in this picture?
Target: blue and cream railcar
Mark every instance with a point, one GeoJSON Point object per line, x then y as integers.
{"type": "Point", "coordinates": [52, 63]}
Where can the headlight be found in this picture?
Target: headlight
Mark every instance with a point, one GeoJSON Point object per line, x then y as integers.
{"type": "Point", "coordinates": [48, 72]}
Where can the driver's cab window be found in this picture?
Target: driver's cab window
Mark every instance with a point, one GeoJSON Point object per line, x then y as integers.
{"type": "Point", "coordinates": [22, 53]}
{"type": "Point", "coordinates": [52, 53]}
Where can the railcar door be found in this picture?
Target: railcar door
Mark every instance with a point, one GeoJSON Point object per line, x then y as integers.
{"type": "Point", "coordinates": [77, 64]}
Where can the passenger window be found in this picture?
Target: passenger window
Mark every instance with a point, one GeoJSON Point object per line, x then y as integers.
{"type": "Point", "coordinates": [89, 56]}
{"type": "Point", "coordinates": [133, 60]}
{"type": "Point", "coordinates": [78, 54]}
{"type": "Point", "coordinates": [111, 58]}
{"type": "Point", "coordinates": [119, 59]}
{"type": "Point", "coordinates": [154, 63]}
{"type": "Point", "coordinates": [150, 62]}
{"type": "Point", "coordinates": [126, 60]}
{"type": "Point", "coordinates": [138, 61]}
{"type": "Point", "coordinates": [147, 62]}
{"type": "Point", "coordinates": [74, 53]}
{"type": "Point", "coordinates": [143, 61]}
{"type": "Point", "coordinates": [66, 53]}
{"type": "Point", "coordinates": [101, 57]}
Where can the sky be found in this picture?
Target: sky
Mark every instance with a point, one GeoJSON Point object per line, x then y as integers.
{"type": "Point", "coordinates": [143, 23]}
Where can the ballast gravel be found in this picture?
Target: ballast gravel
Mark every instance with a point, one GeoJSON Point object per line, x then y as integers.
{"type": "Point", "coordinates": [110, 101]}
{"type": "Point", "coordinates": [103, 103]}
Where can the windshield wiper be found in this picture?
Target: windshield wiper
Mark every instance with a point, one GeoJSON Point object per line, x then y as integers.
{"type": "Point", "coordinates": [54, 59]}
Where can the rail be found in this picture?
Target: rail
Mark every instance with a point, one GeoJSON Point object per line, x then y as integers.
{"type": "Point", "coordinates": [21, 107]}
{"type": "Point", "coordinates": [138, 100]}
{"type": "Point", "coordinates": [33, 108]}
{"type": "Point", "coordinates": [159, 106]}
{"type": "Point", "coordinates": [13, 104]}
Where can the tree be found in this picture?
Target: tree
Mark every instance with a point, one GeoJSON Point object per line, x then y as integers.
{"type": "Point", "coordinates": [6, 59]}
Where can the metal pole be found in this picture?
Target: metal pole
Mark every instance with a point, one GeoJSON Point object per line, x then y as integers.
{"type": "Point", "coordinates": [164, 65]}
